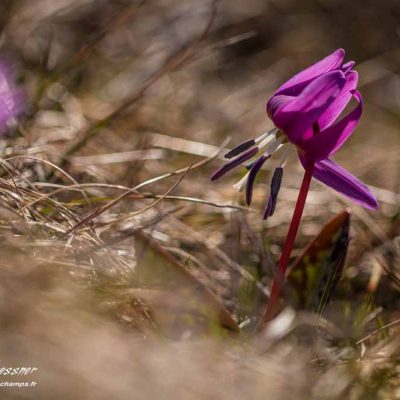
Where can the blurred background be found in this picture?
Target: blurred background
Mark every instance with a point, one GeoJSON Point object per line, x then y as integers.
{"type": "Point", "coordinates": [118, 92]}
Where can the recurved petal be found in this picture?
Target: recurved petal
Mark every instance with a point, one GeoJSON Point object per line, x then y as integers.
{"type": "Point", "coordinates": [341, 101]}
{"type": "Point", "coordinates": [298, 115]}
{"type": "Point", "coordinates": [327, 142]}
{"type": "Point", "coordinates": [294, 85]}
{"type": "Point", "coordinates": [336, 177]}
{"type": "Point", "coordinates": [277, 102]}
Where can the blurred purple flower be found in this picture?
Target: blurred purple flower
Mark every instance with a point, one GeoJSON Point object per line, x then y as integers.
{"type": "Point", "coordinates": [304, 111]}
{"type": "Point", "coordinates": [11, 99]}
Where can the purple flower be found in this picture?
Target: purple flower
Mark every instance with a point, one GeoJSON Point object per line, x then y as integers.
{"type": "Point", "coordinates": [11, 99]}
{"type": "Point", "coordinates": [305, 111]}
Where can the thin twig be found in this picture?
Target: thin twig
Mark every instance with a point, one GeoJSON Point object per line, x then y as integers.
{"type": "Point", "coordinates": [127, 233]}
{"type": "Point", "coordinates": [222, 256]}
{"type": "Point", "coordinates": [154, 203]}
{"type": "Point", "coordinates": [389, 325]}
{"type": "Point", "coordinates": [137, 195]}
{"type": "Point", "coordinates": [83, 53]}
{"type": "Point", "coordinates": [143, 184]}
{"type": "Point", "coordinates": [172, 63]}
{"type": "Point", "coordinates": [70, 177]}
{"type": "Point", "coordinates": [112, 203]}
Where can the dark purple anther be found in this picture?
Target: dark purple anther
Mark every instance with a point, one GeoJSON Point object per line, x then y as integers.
{"type": "Point", "coordinates": [269, 208]}
{"type": "Point", "coordinates": [234, 163]}
{"type": "Point", "coordinates": [275, 187]}
{"type": "Point", "coordinates": [256, 166]}
{"type": "Point", "coordinates": [240, 148]}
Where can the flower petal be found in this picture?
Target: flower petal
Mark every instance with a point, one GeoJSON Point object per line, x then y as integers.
{"type": "Point", "coordinates": [11, 99]}
{"type": "Point", "coordinates": [341, 101]}
{"type": "Point", "coordinates": [298, 115]}
{"type": "Point", "coordinates": [327, 142]}
{"type": "Point", "coordinates": [297, 83]}
{"type": "Point", "coordinates": [277, 102]}
{"type": "Point", "coordinates": [348, 66]}
{"type": "Point", "coordinates": [336, 177]}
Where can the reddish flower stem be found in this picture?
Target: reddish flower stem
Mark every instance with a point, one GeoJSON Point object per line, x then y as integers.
{"type": "Point", "coordinates": [291, 236]}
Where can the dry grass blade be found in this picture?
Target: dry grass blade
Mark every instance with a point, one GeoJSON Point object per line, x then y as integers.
{"type": "Point", "coordinates": [56, 167]}
{"type": "Point", "coordinates": [137, 195]}
{"type": "Point", "coordinates": [376, 331]}
{"type": "Point", "coordinates": [146, 183]}
{"type": "Point", "coordinates": [23, 202]}
{"type": "Point", "coordinates": [199, 201]}
{"type": "Point", "coordinates": [153, 204]}
{"type": "Point", "coordinates": [118, 199]}
{"type": "Point", "coordinates": [120, 157]}
{"type": "Point", "coordinates": [223, 257]}
{"type": "Point", "coordinates": [192, 283]}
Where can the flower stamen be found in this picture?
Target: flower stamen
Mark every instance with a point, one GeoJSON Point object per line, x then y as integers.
{"type": "Point", "coordinates": [285, 157]}
{"type": "Point", "coordinates": [240, 148]}
{"type": "Point", "coordinates": [239, 186]}
{"type": "Point", "coordinates": [274, 146]}
{"type": "Point", "coordinates": [234, 163]}
{"type": "Point", "coordinates": [267, 135]}
{"type": "Point", "coordinates": [275, 187]}
{"type": "Point", "coordinates": [252, 176]}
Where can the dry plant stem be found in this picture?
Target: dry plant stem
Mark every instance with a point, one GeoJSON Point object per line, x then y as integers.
{"type": "Point", "coordinates": [148, 182]}
{"type": "Point", "coordinates": [291, 236]}
{"type": "Point", "coordinates": [173, 62]}
{"type": "Point", "coordinates": [389, 325]}
{"type": "Point", "coordinates": [78, 58]}
{"type": "Point", "coordinates": [118, 199]}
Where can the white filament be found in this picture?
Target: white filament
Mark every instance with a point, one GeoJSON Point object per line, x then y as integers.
{"type": "Point", "coordinates": [274, 146]}
{"type": "Point", "coordinates": [285, 156]}
{"type": "Point", "coordinates": [266, 137]}
{"type": "Point", "coordinates": [242, 183]}
{"type": "Point", "coordinates": [263, 140]}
